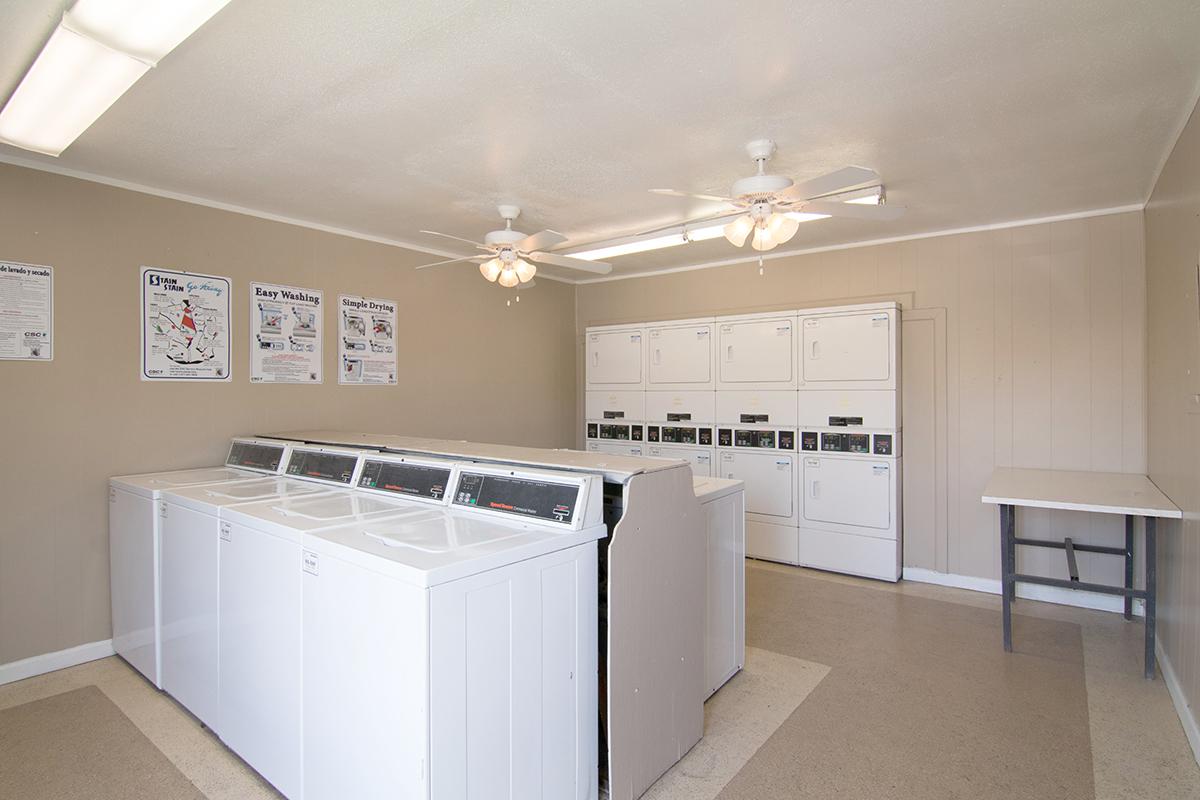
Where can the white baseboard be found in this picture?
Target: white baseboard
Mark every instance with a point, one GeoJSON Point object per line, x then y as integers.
{"type": "Point", "coordinates": [50, 662]}
{"type": "Point", "coordinates": [1028, 591]}
{"type": "Point", "coordinates": [1186, 715]}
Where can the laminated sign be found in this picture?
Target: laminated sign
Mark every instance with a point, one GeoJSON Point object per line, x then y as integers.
{"type": "Point", "coordinates": [285, 334]}
{"type": "Point", "coordinates": [185, 326]}
{"type": "Point", "coordinates": [26, 312]}
{"type": "Point", "coordinates": [366, 341]}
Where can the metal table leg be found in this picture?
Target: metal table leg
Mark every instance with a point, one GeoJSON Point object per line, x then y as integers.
{"type": "Point", "coordinates": [1151, 592]}
{"type": "Point", "coordinates": [1128, 564]}
{"type": "Point", "coordinates": [1007, 569]}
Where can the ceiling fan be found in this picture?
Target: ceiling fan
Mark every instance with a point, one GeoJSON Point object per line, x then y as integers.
{"type": "Point", "coordinates": [770, 206]}
{"type": "Point", "coordinates": [508, 253]}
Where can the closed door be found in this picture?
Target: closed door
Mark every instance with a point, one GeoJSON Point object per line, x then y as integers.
{"type": "Point", "coordinates": [848, 491]}
{"type": "Point", "coordinates": [848, 347]}
{"type": "Point", "coordinates": [190, 609]}
{"type": "Point", "coordinates": [768, 478]}
{"type": "Point", "coordinates": [261, 600]}
{"type": "Point", "coordinates": [614, 358]}
{"type": "Point", "coordinates": [681, 355]}
{"type": "Point", "coordinates": [760, 351]}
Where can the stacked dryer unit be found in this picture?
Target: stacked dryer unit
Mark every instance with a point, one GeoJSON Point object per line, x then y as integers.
{"type": "Point", "coordinates": [680, 404]}
{"type": "Point", "coordinates": [849, 417]}
{"type": "Point", "coordinates": [614, 400]}
{"type": "Point", "coordinates": [805, 410]}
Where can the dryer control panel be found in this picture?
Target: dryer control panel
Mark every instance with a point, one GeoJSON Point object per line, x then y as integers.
{"type": "Point", "coordinates": [757, 438]}
{"type": "Point", "coordinates": [679, 434]}
{"type": "Point", "coordinates": [866, 443]}
{"type": "Point", "coordinates": [615, 431]}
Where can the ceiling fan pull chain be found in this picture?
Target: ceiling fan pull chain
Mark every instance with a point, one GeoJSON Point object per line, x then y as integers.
{"type": "Point", "coordinates": [760, 265]}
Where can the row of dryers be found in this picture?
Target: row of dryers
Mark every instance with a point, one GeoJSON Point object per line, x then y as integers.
{"type": "Point", "coordinates": [802, 406]}
{"type": "Point", "coordinates": [356, 624]}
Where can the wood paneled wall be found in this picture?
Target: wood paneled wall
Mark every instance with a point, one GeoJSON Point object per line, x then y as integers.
{"type": "Point", "coordinates": [1042, 357]}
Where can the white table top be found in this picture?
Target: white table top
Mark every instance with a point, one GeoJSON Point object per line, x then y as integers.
{"type": "Point", "coordinates": [1101, 492]}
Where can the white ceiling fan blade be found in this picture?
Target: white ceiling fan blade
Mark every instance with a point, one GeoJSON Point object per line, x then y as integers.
{"type": "Point", "coordinates": [851, 210]}
{"type": "Point", "coordinates": [477, 259]}
{"type": "Point", "coordinates": [457, 239]}
{"type": "Point", "coordinates": [711, 219]}
{"type": "Point", "coordinates": [837, 181]}
{"type": "Point", "coordinates": [598, 267]}
{"type": "Point", "coordinates": [674, 193]}
{"type": "Point", "coordinates": [540, 241]}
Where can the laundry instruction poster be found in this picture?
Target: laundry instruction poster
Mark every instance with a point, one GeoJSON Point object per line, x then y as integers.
{"type": "Point", "coordinates": [26, 312]}
{"type": "Point", "coordinates": [366, 341]}
{"type": "Point", "coordinates": [185, 326]}
{"type": "Point", "coordinates": [285, 334]}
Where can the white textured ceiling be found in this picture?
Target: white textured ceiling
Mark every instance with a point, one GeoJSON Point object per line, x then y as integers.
{"type": "Point", "coordinates": [386, 117]}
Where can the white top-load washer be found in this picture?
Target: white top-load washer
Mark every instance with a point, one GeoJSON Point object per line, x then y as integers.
{"type": "Point", "coordinates": [260, 602]}
{"type": "Point", "coordinates": [453, 652]}
{"type": "Point", "coordinates": [191, 531]}
{"type": "Point", "coordinates": [134, 543]}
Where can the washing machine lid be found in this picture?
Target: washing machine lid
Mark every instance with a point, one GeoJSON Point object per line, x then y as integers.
{"type": "Point", "coordinates": [211, 497]}
{"type": "Point", "coordinates": [152, 484]}
{"type": "Point", "coordinates": [709, 489]}
{"type": "Point", "coordinates": [436, 545]}
{"type": "Point", "coordinates": [290, 517]}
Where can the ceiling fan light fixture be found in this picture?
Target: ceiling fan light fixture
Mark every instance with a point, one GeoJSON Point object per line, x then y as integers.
{"type": "Point", "coordinates": [508, 278]}
{"type": "Point", "coordinates": [782, 227]}
{"type": "Point", "coordinates": [491, 269]}
{"type": "Point", "coordinates": [737, 231]}
{"type": "Point", "coordinates": [763, 240]}
{"type": "Point", "coordinates": [525, 270]}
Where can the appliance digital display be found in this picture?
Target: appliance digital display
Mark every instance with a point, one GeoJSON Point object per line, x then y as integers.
{"type": "Point", "coordinates": [337, 467]}
{"type": "Point", "coordinates": [255, 456]}
{"type": "Point", "coordinates": [410, 480]}
{"type": "Point", "coordinates": [520, 496]}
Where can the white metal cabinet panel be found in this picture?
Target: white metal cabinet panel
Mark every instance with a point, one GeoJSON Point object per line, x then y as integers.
{"type": "Point", "coordinates": [778, 406]}
{"type": "Point", "coordinates": [771, 542]}
{"type": "Point", "coordinates": [365, 680]}
{"type": "Point", "coordinates": [725, 602]}
{"type": "Point", "coordinates": [261, 653]}
{"type": "Point", "coordinates": [867, 556]}
{"type": "Point", "coordinates": [848, 491]}
{"type": "Point", "coordinates": [680, 356]}
{"type": "Point", "coordinates": [134, 577]}
{"type": "Point", "coordinates": [190, 609]}
{"type": "Point", "coordinates": [769, 479]}
{"type": "Point", "coordinates": [629, 405]}
{"type": "Point", "coordinates": [615, 448]}
{"type": "Point", "coordinates": [697, 406]}
{"type": "Point", "coordinates": [513, 652]}
{"type": "Point", "coordinates": [699, 458]}
{"type": "Point", "coordinates": [877, 408]}
{"type": "Point", "coordinates": [756, 352]}
{"type": "Point", "coordinates": [615, 358]}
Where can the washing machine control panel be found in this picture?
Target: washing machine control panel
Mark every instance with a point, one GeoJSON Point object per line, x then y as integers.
{"type": "Point", "coordinates": [406, 478]}
{"type": "Point", "coordinates": [518, 495]}
{"type": "Point", "coordinates": [329, 466]}
{"type": "Point", "coordinates": [256, 455]}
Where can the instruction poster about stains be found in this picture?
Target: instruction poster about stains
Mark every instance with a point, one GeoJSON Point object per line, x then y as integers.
{"type": "Point", "coordinates": [26, 312]}
{"type": "Point", "coordinates": [285, 334]}
{"type": "Point", "coordinates": [366, 341]}
{"type": "Point", "coordinates": [185, 326]}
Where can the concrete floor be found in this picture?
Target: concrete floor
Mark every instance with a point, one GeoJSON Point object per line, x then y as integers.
{"type": "Point", "coordinates": [1137, 745]}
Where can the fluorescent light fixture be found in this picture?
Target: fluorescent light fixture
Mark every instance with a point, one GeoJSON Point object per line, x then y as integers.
{"type": "Point", "coordinates": [99, 50]}
{"type": "Point", "coordinates": [704, 234]}
{"type": "Point", "coordinates": [871, 196]}
{"type": "Point", "coordinates": [635, 246]}
{"type": "Point", "coordinates": [804, 216]}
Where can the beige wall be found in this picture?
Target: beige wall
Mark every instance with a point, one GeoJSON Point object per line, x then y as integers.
{"type": "Point", "coordinates": [470, 367]}
{"type": "Point", "coordinates": [1172, 249]}
{"type": "Point", "coordinates": [1031, 340]}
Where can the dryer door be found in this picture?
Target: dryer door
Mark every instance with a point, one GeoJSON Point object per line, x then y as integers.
{"type": "Point", "coordinates": [759, 351]}
{"type": "Point", "coordinates": [681, 356]}
{"type": "Point", "coordinates": [847, 491]}
{"type": "Point", "coordinates": [768, 478]}
{"type": "Point", "coordinates": [850, 347]}
{"type": "Point", "coordinates": [614, 358]}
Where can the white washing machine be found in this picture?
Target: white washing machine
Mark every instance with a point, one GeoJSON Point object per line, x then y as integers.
{"type": "Point", "coordinates": [134, 544]}
{"type": "Point", "coordinates": [764, 458]}
{"type": "Point", "coordinates": [191, 531]}
{"type": "Point", "coordinates": [260, 602]}
{"type": "Point", "coordinates": [850, 502]}
{"type": "Point", "coordinates": [724, 505]}
{"type": "Point", "coordinates": [452, 654]}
